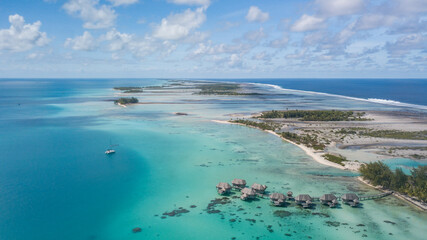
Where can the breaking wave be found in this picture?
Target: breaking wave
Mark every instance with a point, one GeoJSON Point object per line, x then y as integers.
{"type": "Point", "coordinates": [372, 100]}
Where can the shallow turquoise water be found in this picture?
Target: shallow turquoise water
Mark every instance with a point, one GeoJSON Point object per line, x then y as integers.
{"type": "Point", "coordinates": [56, 183]}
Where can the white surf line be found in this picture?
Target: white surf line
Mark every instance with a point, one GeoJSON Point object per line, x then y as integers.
{"type": "Point", "coordinates": [371, 100]}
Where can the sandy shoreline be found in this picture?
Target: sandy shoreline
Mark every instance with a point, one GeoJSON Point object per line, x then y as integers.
{"type": "Point", "coordinates": [310, 152]}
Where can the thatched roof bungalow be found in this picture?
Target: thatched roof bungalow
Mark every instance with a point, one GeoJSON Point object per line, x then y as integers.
{"type": "Point", "coordinates": [327, 198]}
{"type": "Point", "coordinates": [302, 198]}
{"type": "Point", "coordinates": [239, 183]}
{"type": "Point", "coordinates": [223, 188]}
{"type": "Point", "coordinates": [259, 188]}
{"type": "Point", "coordinates": [247, 193]}
{"type": "Point", "coordinates": [350, 199]}
{"type": "Point", "coordinates": [278, 199]}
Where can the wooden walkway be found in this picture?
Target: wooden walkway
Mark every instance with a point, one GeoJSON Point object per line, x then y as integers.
{"type": "Point", "coordinates": [371, 197]}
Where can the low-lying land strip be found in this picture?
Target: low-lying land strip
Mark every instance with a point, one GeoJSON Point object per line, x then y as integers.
{"type": "Point", "coordinates": [316, 115]}
{"type": "Point", "coordinates": [129, 89]}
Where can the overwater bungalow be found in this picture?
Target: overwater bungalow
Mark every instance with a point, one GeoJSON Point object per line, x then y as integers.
{"type": "Point", "coordinates": [278, 199]}
{"type": "Point", "coordinates": [350, 199]}
{"type": "Point", "coordinates": [247, 193]}
{"type": "Point", "coordinates": [223, 188]}
{"type": "Point", "coordinates": [303, 200]}
{"type": "Point", "coordinates": [259, 188]}
{"type": "Point", "coordinates": [239, 183]}
{"type": "Point", "coordinates": [329, 199]}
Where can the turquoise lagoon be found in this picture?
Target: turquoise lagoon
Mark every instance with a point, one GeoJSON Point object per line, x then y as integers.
{"type": "Point", "coordinates": [56, 182]}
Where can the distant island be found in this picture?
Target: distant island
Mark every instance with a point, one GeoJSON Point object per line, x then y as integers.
{"type": "Point", "coordinates": [126, 101]}
{"type": "Point", "coordinates": [229, 89]}
{"type": "Point", "coordinates": [129, 89]}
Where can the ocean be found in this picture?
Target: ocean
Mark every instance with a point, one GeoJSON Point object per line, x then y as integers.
{"type": "Point", "coordinates": [57, 183]}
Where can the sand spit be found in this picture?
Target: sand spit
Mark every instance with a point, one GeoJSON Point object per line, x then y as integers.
{"type": "Point", "coordinates": [316, 155]}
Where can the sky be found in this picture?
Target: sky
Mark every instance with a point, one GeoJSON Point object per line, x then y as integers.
{"type": "Point", "coordinates": [213, 38]}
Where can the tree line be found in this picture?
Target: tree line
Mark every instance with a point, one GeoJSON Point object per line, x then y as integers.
{"type": "Point", "coordinates": [316, 115]}
{"type": "Point", "coordinates": [414, 184]}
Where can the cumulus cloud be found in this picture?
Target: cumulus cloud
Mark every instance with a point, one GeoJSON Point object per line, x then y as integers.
{"type": "Point", "coordinates": [86, 42]}
{"type": "Point", "coordinates": [279, 43]}
{"type": "Point", "coordinates": [94, 15]}
{"type": "Point", "coordinates": [210, 49]}
{"type": "Point", "coordinates": [235, 61]}
{"type": "Point", "coordinates": [256, 35]}
{"type": "Point", "coordinates": [371, 21]}
{"type": "Point", "coordinates": [20, 36]}
{"type": "Point", "coordinates": [262, 56]}
{"type": "Point", "coordinates": [339, 7]}
{"type": "Point", "coordinates": [117, 41]}
{"type": "Point", "coordinates": [407, 43]}
{"type": "Point", "coordinates": [122, 2]}
{"type": "Point", "coordinates": [308, 23]}
{"type": "Point", "coordinates": [178, 26]}
{"type": "Point", "coordinates": [256, 15]}
{"type": "Point", "coordinates": [191, 2]}
{"type": "Point", "coordinates": [412, 6]}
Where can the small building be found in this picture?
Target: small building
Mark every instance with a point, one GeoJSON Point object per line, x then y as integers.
{"type": "Point", "coordinates": [223, 188]}
{"type": "Point", "coordinates": [239, 183]}
{"type": "Point", "coordinates": [303, 200]}
{"type": "Point", "coordinates": [350, 199]}
{"type": "Point", "coordinates": [247, 193]}
{"type": "Point", "coordinates": [278, 199]}
{"type": "Point", "coordinates": [259, 188]}
{"type": "Point", "coordinates": [329, 199]}
{"type": "Point", "coordinates": [290, 195]}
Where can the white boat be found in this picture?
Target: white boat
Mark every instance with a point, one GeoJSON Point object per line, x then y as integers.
{"type": "Point", "coordinates": [110, 151]}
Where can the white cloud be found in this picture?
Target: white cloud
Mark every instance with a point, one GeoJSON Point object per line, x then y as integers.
{"type": "Point", "coordinates": [235, 60]}
{"type": "Point", "coordinates": [412, 6]}
{"type": "Point", "coordinates": [256, 35]}
{"type": "Point", "coordinates": [339, 7]}
{"type": "Point", "coordinates": [262, 56]}
{"type": "Point", "coordinates": [191, 2]}
{"type": "Point", "coordinates": [117, 41]}
{"type": "Point", "coordinates": [371, 21]}
{"type": "Point", "coordinates": [86, 42]}
{"type": "Point", "coordinates": [178, 26]}
{"type": "Point", "coordinates": [407, 43]}
{"type": "Point", "coordinates": [308, 23]}
{"type": "Point", "coordinates": [122, 2]}
{"type": "Point", "coordinates": [279, 43]}
{"type": "Point", "coordinates": [20, 36]}
{"type": "Point", "coordinates": [256, 15]}
{"type": "Point", "coordinates": [209, 49]}
{"type": "Point", "coordinates": [95, 16]}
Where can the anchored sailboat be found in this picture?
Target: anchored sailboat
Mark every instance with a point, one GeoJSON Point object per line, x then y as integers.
{"type": "Point", "coordinates": [110, 149]}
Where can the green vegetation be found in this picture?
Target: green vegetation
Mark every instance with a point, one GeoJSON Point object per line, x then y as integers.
{"type": "Point", "coordinates": [396, 134]}
{"type": "Point", "coordinates": [380, 174]}
{"type": "Point", "coordinates": [336, 159]}
{"type": "Point", "coordinates": [222, 89]}
{"type": "Point", "coordinates": [316, 115]}
{"type": "Point", "coordinates": [306, 139]}
{"type": "Point", "coordinates": [125, 101]}
{"type": "Point", "coordinates": [260, 125]}
{"type": "Point", "coordinates": [129, 89]}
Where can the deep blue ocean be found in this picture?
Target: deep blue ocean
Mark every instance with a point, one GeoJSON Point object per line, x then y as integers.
{"type": "Point", "coordinates": [413, 91]}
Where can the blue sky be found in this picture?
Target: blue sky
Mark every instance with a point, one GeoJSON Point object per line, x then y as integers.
{"type": "Point", "coordinates": [213, 38]}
